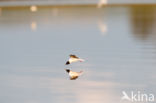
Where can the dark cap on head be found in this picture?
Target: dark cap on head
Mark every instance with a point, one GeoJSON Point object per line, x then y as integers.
{"type": "Point", "coordinates": [67, 70]}
{"type": "Point", "coordinates": [67, 62]}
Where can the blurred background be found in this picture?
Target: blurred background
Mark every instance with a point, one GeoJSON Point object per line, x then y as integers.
{"type": "Point", "coordinates": [117, 39]}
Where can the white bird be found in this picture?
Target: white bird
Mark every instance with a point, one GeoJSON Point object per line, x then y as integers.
{"type": "Point", "coordinates": [73, 75]}
{"type": "Point", "coordinates": [73, 58]}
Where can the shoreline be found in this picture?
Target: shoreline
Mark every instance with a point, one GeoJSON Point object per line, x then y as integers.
{"type": "Point", "coordinates": [70, 3]}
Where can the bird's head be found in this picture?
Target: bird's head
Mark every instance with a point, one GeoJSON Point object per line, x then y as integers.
{"type": "Point", "coordinates": [67, 70]}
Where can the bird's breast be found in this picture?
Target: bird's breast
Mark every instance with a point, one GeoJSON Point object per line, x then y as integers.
{"type": "Point", "coordinates": [73, 60]}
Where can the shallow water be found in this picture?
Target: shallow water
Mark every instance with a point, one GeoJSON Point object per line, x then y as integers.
{"type": "Point", "coordinates": [118, 44]}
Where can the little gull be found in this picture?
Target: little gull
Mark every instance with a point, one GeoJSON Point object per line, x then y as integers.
{"type": "Point", "coordinates": [73, 58]}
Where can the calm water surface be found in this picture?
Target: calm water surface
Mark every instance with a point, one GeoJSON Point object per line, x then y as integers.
{"type": "Point", "coordinates": [118, 44]}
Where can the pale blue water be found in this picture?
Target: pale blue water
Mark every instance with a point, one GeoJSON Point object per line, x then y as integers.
{"type": "Point", "coordinates": [118, 44]}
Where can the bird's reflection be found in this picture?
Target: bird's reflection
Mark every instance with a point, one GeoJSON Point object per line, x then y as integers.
{"type": "Point", "coordinates": [143, 27]}
{"type": "Point", "coordinates": [33, 26]}
{"type": "Point", "coordinates": [143, 21]}
{"type": "Point", "coordinates": [55, 11]}
{"type": "Point", "coordinates": [101, 3]}
{"type": "Point", "coordinates": [102, 27]}
{"type": "Point", "coordinates": [0, 11]}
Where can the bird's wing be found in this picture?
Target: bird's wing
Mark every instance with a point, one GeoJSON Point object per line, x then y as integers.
{"type": "Point", "coordinates": [73, 56]}
{"type": "Point", "coordinates": [80, 73]}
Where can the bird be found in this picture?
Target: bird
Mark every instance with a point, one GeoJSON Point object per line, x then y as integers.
{"type": "Point", "coordinates": [73, 75]}
{"type": "Point", "coordinates": [73, 58]}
